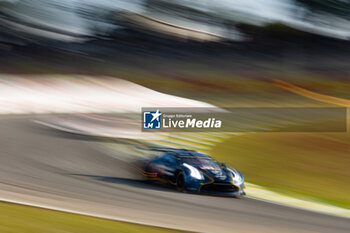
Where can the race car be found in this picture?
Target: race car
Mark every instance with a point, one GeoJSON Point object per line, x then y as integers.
{"type": "Point", "coordinates": [191, 171]}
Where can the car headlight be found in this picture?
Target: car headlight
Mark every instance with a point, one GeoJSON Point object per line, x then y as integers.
{"type": "Point", "coordinates": [194, 172]}
{"type": "Point", "coordinates": [237, 177]}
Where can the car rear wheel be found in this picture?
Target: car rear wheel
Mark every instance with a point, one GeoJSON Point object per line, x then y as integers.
{"type": "Point", "coordinates": [180, 182]}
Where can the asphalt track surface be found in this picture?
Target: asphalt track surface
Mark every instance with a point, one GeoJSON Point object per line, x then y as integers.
{"type": "Point", "coordinates": [40, 164]}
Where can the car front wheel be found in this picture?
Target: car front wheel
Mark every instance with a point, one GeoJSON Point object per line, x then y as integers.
{"type": "Point", "coordinates": [180, 182]}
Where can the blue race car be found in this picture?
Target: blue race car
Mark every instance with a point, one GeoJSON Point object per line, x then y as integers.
{"type": "Point", "coordinates": [192, 171]}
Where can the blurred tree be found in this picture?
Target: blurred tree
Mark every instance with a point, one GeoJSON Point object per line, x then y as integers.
{"type": "Point", "coordinates": [340, 8]}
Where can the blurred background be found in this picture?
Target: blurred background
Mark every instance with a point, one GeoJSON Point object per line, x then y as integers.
{"type": "Point", "coordinates": [226, 53]}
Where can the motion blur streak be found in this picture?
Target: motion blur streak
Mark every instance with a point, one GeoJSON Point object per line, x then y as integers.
{"type": "Point", "coordinates": [79, 94]}
{"type": "Point", "coordinates": [76, 74]}
{"type": "Point", "coordinates": [67, 172]}
{"type": "Point", "coordinates": [71, 20]}
{"type": "Point", "coordinates": [313, 95]}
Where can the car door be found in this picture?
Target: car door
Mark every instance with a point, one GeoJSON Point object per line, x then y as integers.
{"type": "Point", "coordinates": [169, 164]}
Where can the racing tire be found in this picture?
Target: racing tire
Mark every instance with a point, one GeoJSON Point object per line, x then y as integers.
{"type": "Point", "coordinates": [180, 182]}
{"type": "Point", "coordinates": [239, 195]}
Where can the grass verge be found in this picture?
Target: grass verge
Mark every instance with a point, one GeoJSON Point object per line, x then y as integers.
{"type": "Point", "coordinates": [308, 164]}
{"type": "Point", "coordinates": [24, 219]}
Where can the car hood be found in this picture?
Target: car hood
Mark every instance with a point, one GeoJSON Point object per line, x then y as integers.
{"type": "Point", "coordinates": [219, 174]}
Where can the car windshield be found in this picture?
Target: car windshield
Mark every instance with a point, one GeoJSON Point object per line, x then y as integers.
{"type": "Point", "coordinates": [203, 163]}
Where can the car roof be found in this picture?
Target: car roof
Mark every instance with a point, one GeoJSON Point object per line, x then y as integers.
{"type": "Point", "coordinates": [191, 154]}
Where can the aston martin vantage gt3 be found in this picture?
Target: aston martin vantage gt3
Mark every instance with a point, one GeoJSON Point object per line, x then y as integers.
{"type": "Point", "coordinates": [191, 171]}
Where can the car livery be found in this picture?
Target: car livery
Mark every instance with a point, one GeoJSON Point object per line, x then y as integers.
{"type": "Point", "coordinates": [192, 171]}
